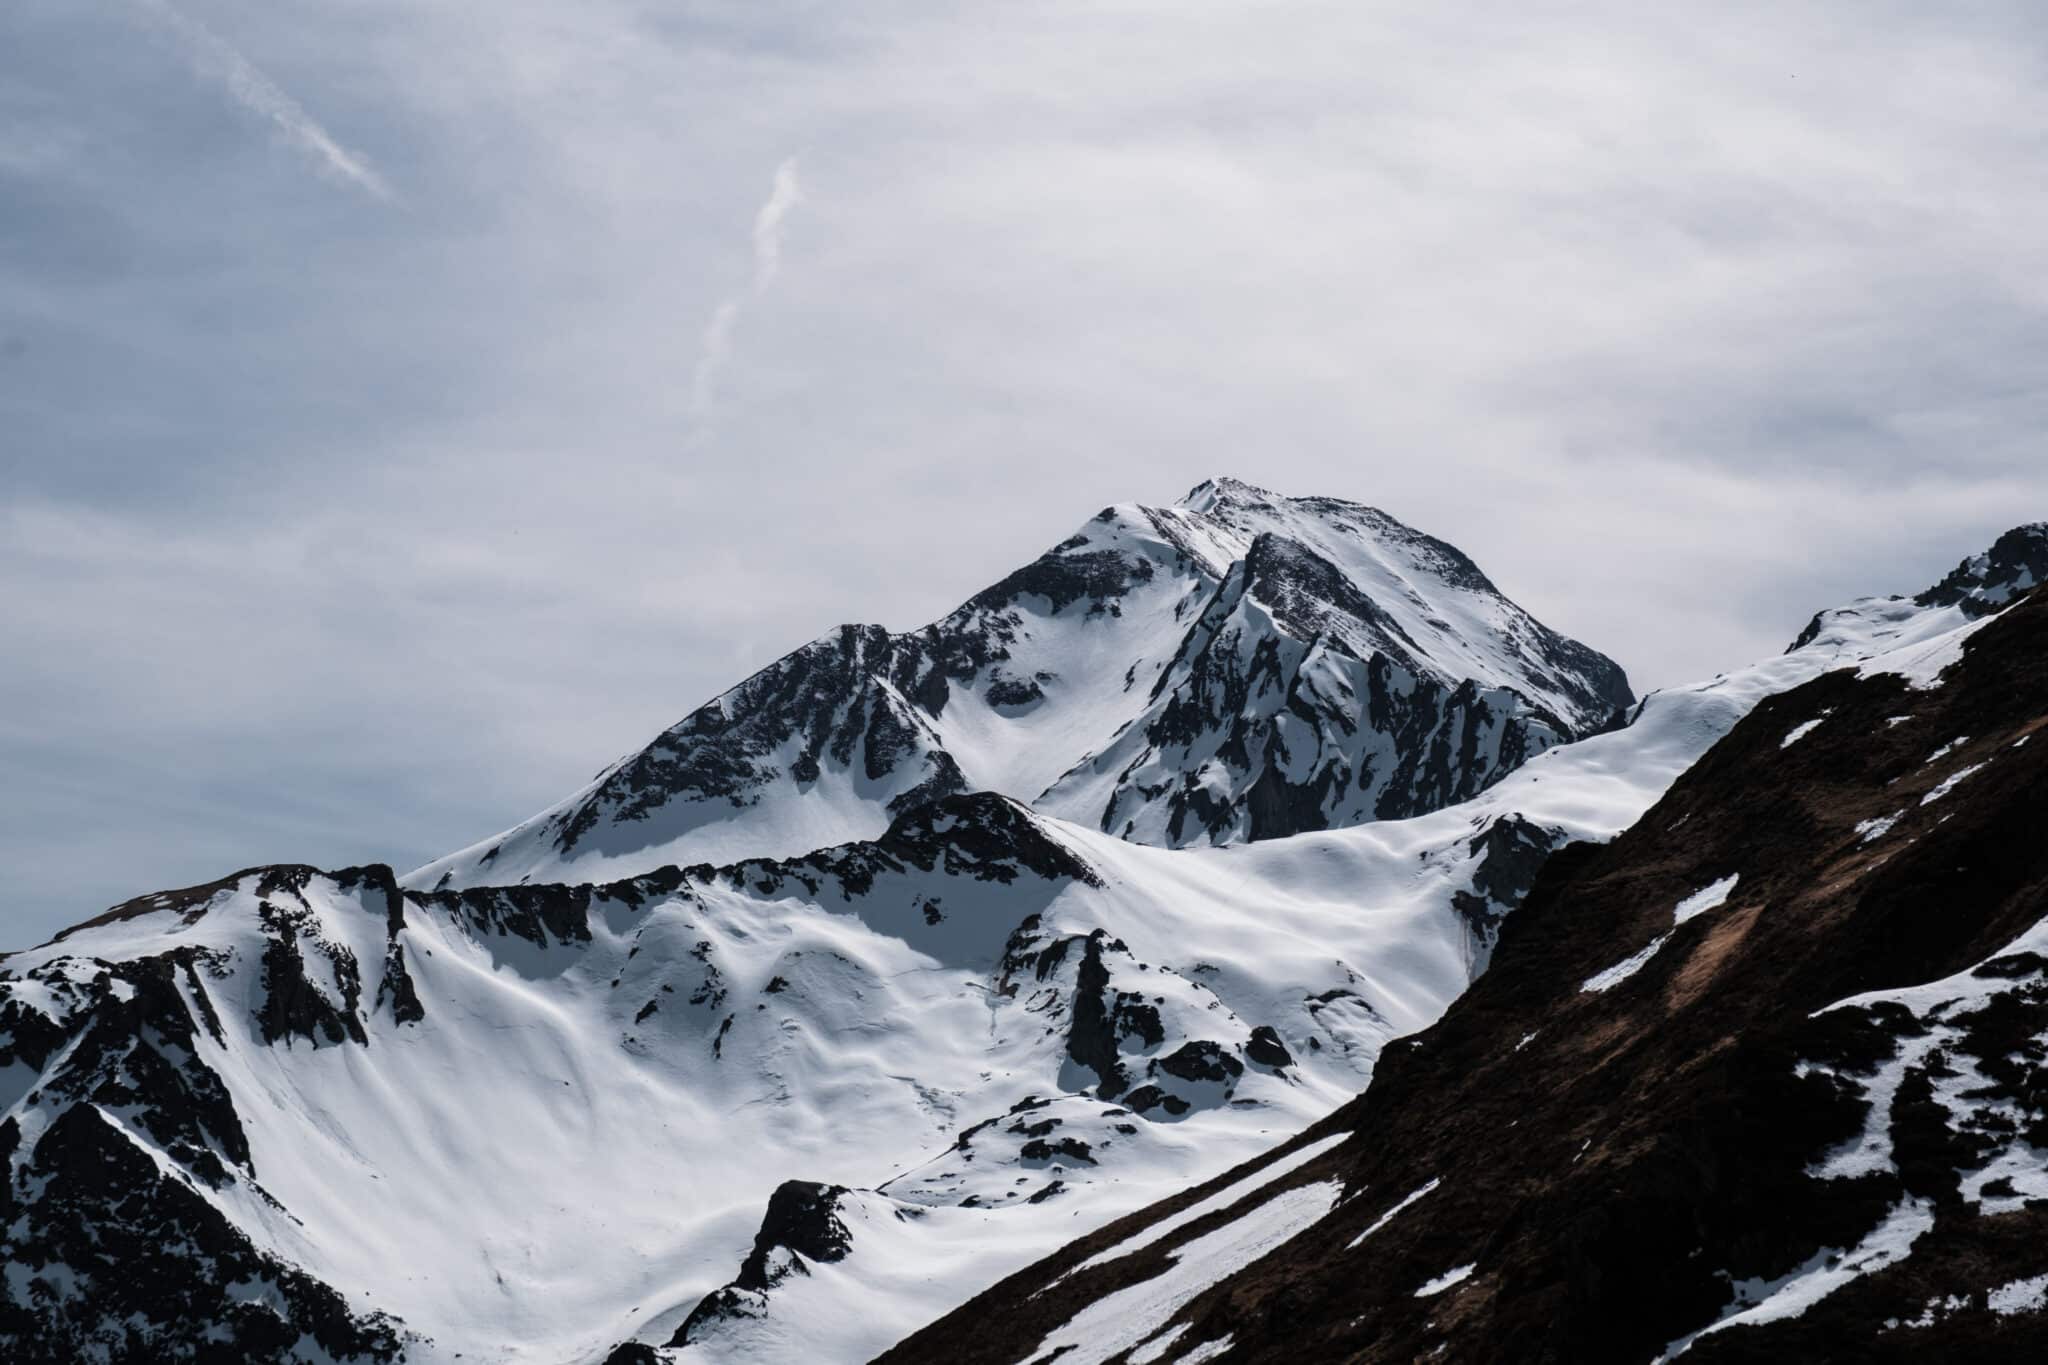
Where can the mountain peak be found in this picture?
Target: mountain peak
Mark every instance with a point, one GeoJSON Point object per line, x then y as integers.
{"type": "Point", "coordinates": [1319, 653]}
{"type": "Point", "coordinates": [1223, 490]}
{"type": "Point", "coordinates": [1981, 584]}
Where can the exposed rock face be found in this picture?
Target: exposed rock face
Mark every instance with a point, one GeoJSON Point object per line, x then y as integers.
{"type": "Point", "coordinates": [1764, 1079]}
{"type": "Point", "coordinates": [1236, 666]}
{"type": "Point", "coordinates": [123, 1262]}
{"type": "Point", "coordinates": [1507, 855]}
{"type": "Point", "coordinates": [2016, 563]}
{"type": "Point", "coordinates": [801, 1225]}
{"type": "Point", "coordinates": [1126, 1023]}
{"type": "Point", "coordinates": [113, 1163]}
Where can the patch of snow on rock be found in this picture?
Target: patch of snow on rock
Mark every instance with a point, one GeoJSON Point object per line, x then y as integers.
{"type": "Point", "coordinates": [1446, 1280]}
{"type": "Point", "coordinates": [1760, 1301]}
{"type": "Point", "coordinates": [1388, 1216]}
{"type": "Point", "coordinates": [1114, 1324]}
{"type": "Point", "coordinates": [1948, 784]}
{"type": "Point", "coordinates": [1801, 731]}
{"type": "Point", "coordinates": [1215, 1203]}
{"type": "Point", "coordinates": [1707, 898]}
{"type": "Point", "coordinates": [1621, 971]}
{"type": "Point", "coordinates": [2021, 1296]}
{"type": "Point", "coordinates": [1945, 750]}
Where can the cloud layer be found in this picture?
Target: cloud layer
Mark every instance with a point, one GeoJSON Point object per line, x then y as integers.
{"type": "Point", "coordinates": [337, 530]}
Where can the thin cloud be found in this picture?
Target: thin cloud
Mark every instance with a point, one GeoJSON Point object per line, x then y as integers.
{"type": "Point", "coordinates": [785, 195]}
{"type": "Point", "coordinates": [712, 356]}
{"type": "Point", "coordinates": [716, 349]}
{"type": "Point", "coordinates": [214, 58]}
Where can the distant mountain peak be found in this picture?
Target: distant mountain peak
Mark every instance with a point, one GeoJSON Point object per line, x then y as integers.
{"type": "Point", "coordinates": [1983, 583]}
{"type": "Point", "coordinates": [1210, 494]}
{"type": "Point", "coordinates": [1146, 675]}
{"type": "Point", "coordinates": [2015, 563]}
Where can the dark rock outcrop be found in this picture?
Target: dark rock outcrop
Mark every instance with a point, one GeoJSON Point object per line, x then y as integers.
{"type": "Point", "coordinates": [2016, 563]}
{"type": "Point", "coordinates": [802, 1224]}
{"type": "Point", "coordinates": [119, 1255]}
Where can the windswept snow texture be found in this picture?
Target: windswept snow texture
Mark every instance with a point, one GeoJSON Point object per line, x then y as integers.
{"type": "Point", "coordinates": [1237, 666]}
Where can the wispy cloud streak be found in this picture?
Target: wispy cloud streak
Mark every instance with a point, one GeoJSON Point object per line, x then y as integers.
{"type": "Point", "coordinates": [716, 349]}
{"type": "Point", "coordinates": [712, 355]}
{"type": "Point", "coordinates": [214, 58]}
{"type": "Point", "coordinates": [785, 195]}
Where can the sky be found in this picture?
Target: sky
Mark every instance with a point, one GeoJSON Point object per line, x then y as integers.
{"type": "Point", "coordinates": [409, 406]}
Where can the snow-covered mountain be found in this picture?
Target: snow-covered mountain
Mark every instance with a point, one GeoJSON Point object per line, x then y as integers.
{"type": "Point", "coordinates": [515, 1118]}
{"type": "Point", "coordinates": [1766, 1079]}
{"type": "Point", "coordinates": [1236, 666]}
{"type": "Point", "coordinates": [796, 1108]}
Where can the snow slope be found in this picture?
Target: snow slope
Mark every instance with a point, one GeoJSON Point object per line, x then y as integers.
{"type": "Point", "coordinates": [514, 1119]}
{"type": "Point", "coordinates": [464, 1122]}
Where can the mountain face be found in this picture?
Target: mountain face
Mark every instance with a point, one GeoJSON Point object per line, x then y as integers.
{"type": "Point", "coordinates": [528, 1123]}
{"type": "Point", "coordinates": [1237, 666]}
{"type": "Point", "coordinates": [1763, 1079]}
{"type": "Point", "coordinates": [796, 1107]}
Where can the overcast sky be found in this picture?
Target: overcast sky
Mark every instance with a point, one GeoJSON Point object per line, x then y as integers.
{"type": "Point", "coordinates": [407, 407]}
